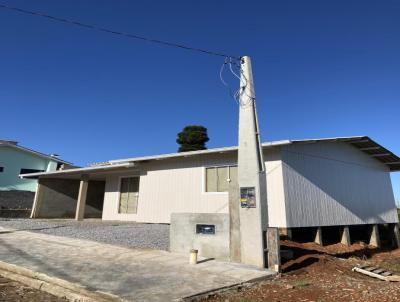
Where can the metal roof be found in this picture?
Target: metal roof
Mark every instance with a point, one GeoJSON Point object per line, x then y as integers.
{"type": "Point", "coordinates": [79, 171]}
{"type": "Point", "coordinates": [14, 144]}
{"type": "Point", "coordinates": [363, 143]}
{"type": "Point", "coordinates": [193, 153]}
{"type": "Point", "coordinates": [366, 145]}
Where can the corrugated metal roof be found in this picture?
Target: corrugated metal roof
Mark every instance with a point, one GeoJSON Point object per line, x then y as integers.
{"type": "Point", "coordinates": [363, 143]}
{"type": "Point", "coordinates": [193, 153]}
{"type": "Point", "coordinates": [79, 171]}
{"type": "Point", "coordinates": [368, 146]}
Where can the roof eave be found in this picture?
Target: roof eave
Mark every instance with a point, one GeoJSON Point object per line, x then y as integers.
{"type": "Point", "coordinates": [77, 170]}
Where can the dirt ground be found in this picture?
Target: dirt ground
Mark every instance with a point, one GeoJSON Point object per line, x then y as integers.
{"type": "Point", "coordinates": [12, 291]}
{"type": "Point", "coordinates": [323, 274]}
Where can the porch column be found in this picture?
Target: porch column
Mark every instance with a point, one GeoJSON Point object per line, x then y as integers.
{"type": "Point", "coordinates": [80, 206]}
{"type": "Point", "coordinates": [37, 201]}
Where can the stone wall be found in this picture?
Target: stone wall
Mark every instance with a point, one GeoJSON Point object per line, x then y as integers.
{"type": "Point", "coordinates": [15, 199]}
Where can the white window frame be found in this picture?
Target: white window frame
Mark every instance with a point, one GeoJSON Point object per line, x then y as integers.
{"type": "Point", "coordinates": [204, 176]}
{"type": "Point", "coordinates": [119, 195]}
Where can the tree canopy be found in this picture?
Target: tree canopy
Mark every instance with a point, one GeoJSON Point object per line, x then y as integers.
{"type": "Point", "coordinates": [192, 138]}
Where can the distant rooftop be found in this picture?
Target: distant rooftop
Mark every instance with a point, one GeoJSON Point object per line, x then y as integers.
{"type": "Point", "coordinates": [6, 141]}
{"type": "Point", "coordinates": [14, 144]}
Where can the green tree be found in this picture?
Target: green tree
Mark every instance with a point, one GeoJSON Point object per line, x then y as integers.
{"type": "Point", "coordinates": [192, 138]}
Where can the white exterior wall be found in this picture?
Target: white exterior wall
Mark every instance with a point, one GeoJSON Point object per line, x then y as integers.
{"type": "Point", "coordinates": [320, 184]}
{"type": "Point", "coordinates": [275, 188]}
{"type": "Point", "coordinates": [333, 183]}
{"type": "Point", "coordinates": [169, 186]}
{"type": "Point", "coordinates": [177, 186]}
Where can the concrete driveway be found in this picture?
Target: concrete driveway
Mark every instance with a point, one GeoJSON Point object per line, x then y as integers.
{"type": "Point", "coordinates": [132, 274]}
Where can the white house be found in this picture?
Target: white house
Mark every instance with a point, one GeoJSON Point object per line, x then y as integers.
{"type": "Point", "coordinates": [321, 182]}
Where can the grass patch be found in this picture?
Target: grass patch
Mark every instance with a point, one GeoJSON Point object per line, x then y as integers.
{"type": "Point", "coordinates": [302, 284]}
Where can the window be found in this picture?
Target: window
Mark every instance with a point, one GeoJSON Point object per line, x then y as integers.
{"type": "Point", "coordinates": [1, 169]}
{"type": "Point", "coordinates": [129, 195]}
{"type": "Point", "coordinates": [219, 178]}
{"type": "Point", "coordinates": [26, 171]}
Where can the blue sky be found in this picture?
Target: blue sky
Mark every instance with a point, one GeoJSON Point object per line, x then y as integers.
{"type": "Point", "coordinates": [321, 68]}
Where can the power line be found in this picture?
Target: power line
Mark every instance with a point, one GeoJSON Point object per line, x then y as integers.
{"type": "Point", "coordinates": [94, 27]}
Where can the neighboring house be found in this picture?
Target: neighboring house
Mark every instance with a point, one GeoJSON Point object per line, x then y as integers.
{"type": "Point", "coordinates": [322, 182]}
{"type": "Point", "coordinates": [16, 160]}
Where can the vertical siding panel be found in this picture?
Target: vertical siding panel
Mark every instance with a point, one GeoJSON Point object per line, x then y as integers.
{"type": "Point", "coordinates": [335, 184]}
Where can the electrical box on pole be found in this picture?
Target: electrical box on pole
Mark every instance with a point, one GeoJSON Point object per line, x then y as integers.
{"type": "Point", "coordinates": [253, 208]}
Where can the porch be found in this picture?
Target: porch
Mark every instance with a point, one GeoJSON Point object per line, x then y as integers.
{"type": "Point", "coordinates": [75, 193]}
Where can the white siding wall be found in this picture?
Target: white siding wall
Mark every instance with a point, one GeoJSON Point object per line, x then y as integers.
{"type": "Point", "coordinates": [275, 189]}
{"type": "Point", "coordinates": [331, 183]}
{"type": "Point", "coordinates": [177, 186]}
{"type": "Point", "coordinates": [169, 186]}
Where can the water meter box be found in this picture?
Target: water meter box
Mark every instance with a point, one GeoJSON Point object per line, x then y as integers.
{"type": "Point", "coordinates": [207, 229]}
{"type": "Point", "coordinates": [248, 197]}
{"type": "Point", "coordinates": [206, 232]}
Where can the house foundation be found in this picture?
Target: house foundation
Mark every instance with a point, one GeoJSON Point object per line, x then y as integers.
{"type": "Point", "coordinates": [318, 236]}
{"type": "Point", "coordinates": [394, 229]}
{"type": "Point", "coordinates": [374, 236]}
{"type": "Point", "coordinates": [345, 236]}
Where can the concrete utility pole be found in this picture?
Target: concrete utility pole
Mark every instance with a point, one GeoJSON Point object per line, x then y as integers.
{"type": "Point", "coordinates": [253, 209]}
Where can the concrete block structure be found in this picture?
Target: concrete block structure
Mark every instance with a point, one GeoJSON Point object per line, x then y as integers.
{"type": "Point", "coordinates": [207, 233]}
{"type": "Point", "coordinates": [310, 184]}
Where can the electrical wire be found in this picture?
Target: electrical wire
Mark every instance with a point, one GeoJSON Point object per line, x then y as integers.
{"type": "Point", "coordinates": [238, 95]}
{"type": "Point", "coordinates": [221, 71]}
{"type": "Point", "coordinates": [102, 29]}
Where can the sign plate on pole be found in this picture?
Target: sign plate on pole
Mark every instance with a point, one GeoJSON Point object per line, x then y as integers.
{"type": "Point", "coordinates": [248, 197]}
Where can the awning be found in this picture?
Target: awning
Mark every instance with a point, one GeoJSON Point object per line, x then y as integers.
{"type": "Point", "coordinates": [76, 173]}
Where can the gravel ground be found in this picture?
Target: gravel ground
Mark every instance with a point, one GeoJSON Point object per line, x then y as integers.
{"type": "Point", "coordinates": [128, 234]}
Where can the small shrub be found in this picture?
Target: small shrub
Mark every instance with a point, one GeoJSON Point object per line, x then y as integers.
{"type": "Point", "coordinates": [302, 284]}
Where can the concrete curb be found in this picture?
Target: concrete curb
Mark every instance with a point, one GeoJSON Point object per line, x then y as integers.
{"type": "Point", "coordinates": [55, 286]}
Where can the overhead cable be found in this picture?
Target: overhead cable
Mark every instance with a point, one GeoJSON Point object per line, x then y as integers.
{"type": "Point", "coordinates": [102, 29]}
